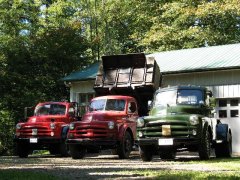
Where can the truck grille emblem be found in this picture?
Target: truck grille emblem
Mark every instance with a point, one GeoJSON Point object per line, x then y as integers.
{"type": "Point", "coordinates": [166, 130]}
{"type": "Point", "coordinates": [34, 132]}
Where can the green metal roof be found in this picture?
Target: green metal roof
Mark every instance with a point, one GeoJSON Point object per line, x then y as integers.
{"type": "Point", "coordinates": [85, 74]}
{"type": "Point", "coordinates": [199, 59]}
{"type": "Point", "coordinates": [178, 61]}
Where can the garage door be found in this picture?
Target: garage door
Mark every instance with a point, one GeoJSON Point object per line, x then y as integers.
{"type": "Point", "coordinates": [228, 111]}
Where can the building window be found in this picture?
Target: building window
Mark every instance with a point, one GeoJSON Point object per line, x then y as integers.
{"type": "Point", "coordinates": [222, 103]}
{"type": "Point", "coordinates": [234, 113]}
{"type": "Point", "coordinates": [234, 102]}
{"type": "Point", "coordinates": [82, 98]}
{"type": "Point", "coordinates": [222, 113]}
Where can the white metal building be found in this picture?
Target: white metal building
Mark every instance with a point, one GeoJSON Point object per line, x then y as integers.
{"type": "Point", "coordinates": [217, 68]}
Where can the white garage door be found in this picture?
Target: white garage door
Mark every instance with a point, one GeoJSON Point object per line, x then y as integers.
{"type": "Point", "coordinates": [228, 111]}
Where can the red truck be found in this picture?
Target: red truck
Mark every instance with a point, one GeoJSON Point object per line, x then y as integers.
{"type": "Point", "coordinates": [46, 129]}
{"type": "Point", "coordinates": [123, 86]}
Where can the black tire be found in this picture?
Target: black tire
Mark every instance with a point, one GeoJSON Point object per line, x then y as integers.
{"type": "Point", "coordinates": [22, 150]}
{"type": "Point", "coordinates": [146, 153]}
{"type": "Point", "coordinates": [204, 150]}
{"type": "Point", "coordinates": [125, 147]}
{"type": "Point", "coordinates": [167, 154]}
{"type": "Point", "coordinates": [77, 151]}
{"type": "Point", "coordinates": [224, 149]}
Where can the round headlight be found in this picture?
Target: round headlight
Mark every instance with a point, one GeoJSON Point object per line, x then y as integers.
{"type": "Point", "coordinates": [193, 120]}
{"type": "Point", "coordinates": [111, 125]}
{"type": "Point", "coordinates": [140, 122]}
{"type": "Point", "coordinates": [18, 126]}
{"type": "Point", "coordinates": [71, 126]}
{"type": "Point", "coordinates": [140, 134]}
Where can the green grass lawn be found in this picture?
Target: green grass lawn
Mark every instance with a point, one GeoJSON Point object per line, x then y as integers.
{"type": "Point", "coordinates": [225, 169]}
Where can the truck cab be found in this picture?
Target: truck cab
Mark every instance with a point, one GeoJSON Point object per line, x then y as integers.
{"type": "Point", "coordinates": [46, 129]}
{"type": "Point", "coordinates": [182, 118]}
{"type": "Point", "coordinates": [110, 123]}
{"type": "Point", "coordinates": [124, 84]}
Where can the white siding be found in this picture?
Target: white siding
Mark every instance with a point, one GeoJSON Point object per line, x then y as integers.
{"type": "Point", "coordinates": [223, 77]}
{"type": "Point", "coordinates": [80, 87]}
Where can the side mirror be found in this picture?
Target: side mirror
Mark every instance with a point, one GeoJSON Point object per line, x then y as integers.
{"type": "Point", "coordinates": [212, 102]}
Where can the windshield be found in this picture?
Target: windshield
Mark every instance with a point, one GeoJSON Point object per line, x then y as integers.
{"type": "Point", "coordinates": [165, 98]}
{"type": "Point", "coordinates": [182, 96]}
{"type": "Point", "coordinates": [107, 105]}
{"type": "Point", "coordinates": [50, 109]}
{"type": "Point", "coordinates": [190, 96]}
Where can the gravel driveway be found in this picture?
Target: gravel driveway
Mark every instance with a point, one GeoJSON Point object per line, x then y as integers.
{"type": "Point", "coordinates": [101, 166]}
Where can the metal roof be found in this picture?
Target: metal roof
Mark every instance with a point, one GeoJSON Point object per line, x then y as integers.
{"type": "Point", "coordinates": [88, 73]}
{"type": "Point", "coordinates": [199, 59]}
{"type": "Point", "coordinates": [179, 61]}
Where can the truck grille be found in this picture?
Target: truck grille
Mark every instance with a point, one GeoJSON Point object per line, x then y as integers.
{"type": "Point", "coordinates": [162, 128]}
{"type": "Point", "coordinates": [92, 132]}
{"type": "Point", "coordinates": [41, 131]}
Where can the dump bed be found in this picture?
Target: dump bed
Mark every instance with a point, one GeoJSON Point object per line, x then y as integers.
{"type": "Point", "coordinates": [128, 74]}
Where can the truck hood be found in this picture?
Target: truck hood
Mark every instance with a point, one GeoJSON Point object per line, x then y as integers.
{"type": "Point", "coordinates": [35, 119]}
{"type": "Point", "coordinates": [176, 110]}
{"type": "Point", "coordinates": [103, 116]}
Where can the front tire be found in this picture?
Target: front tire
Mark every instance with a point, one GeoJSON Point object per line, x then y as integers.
{"type": "Point", "coordinates": [125, 146]}
{"type": "Point", "coordinates": [77, 151]}
{"type": "Point", "coordinates": [146, 153]}
{"type": "Point", "coordinates": [205, 145]}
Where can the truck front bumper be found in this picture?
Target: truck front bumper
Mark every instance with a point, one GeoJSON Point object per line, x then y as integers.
{"type": "Point", "coordinates": [39, 140]}
{"type": "Point", "coordinates": [93, 142]}
{"type": "Point", "coordinates": [174, 142]}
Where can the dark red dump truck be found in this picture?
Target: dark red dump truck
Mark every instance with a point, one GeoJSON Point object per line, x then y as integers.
{"type": "Point", "coordinates": [46, 129]}
{"type": "Point", "coordinates": [123, 86]}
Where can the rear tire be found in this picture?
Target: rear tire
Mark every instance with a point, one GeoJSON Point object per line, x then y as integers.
{"type": "Point", "coordinates": [146, 153]}
{"type": "Point", "coordinates": [125, 146]}
{"type": "Point", "coordinates": [77, 151]}
{"type": "Point", "coordinates": [64, 150]}
{"type": "Point", "coordinates": [224, 149]}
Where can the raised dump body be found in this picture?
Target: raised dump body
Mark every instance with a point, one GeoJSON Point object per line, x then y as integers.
{"type": "Point", "coordinates": [129, 74]}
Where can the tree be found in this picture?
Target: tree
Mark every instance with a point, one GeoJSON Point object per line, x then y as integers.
{"type": "Point", "coordinates": [191, 23]}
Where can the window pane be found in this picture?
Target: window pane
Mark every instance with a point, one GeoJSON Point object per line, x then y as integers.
{"type": "Point", "coordinates": [234, 113]}
{"type": "Point", "coordinates": [90, 96]}
{"type": "Point", "coordinates": [222, 113]}
{"type": "Point", "coordinates": [222, 103]}
{"type": "Point", "coordinates": [82, 98]}
{"type": "Point", "coordinates": [234, 102]}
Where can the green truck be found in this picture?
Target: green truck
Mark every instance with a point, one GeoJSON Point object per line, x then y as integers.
{"type": "Point", "coordinates": [182, 118]}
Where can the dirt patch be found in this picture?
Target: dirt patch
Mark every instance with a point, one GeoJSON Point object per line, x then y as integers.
{"type": "Point", "coordinates": [102, 166]}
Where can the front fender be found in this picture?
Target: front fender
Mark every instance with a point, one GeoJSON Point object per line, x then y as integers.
{"type": "Point", "coordinates": [122, 130]}
{"type": "Point", "coordinates": [223, 132]}
{"type": "Point", "coordinates": [64, 132]}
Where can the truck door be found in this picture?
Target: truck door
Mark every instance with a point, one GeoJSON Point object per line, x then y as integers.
{"type": "Point", "coordinates": [132, 111]}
